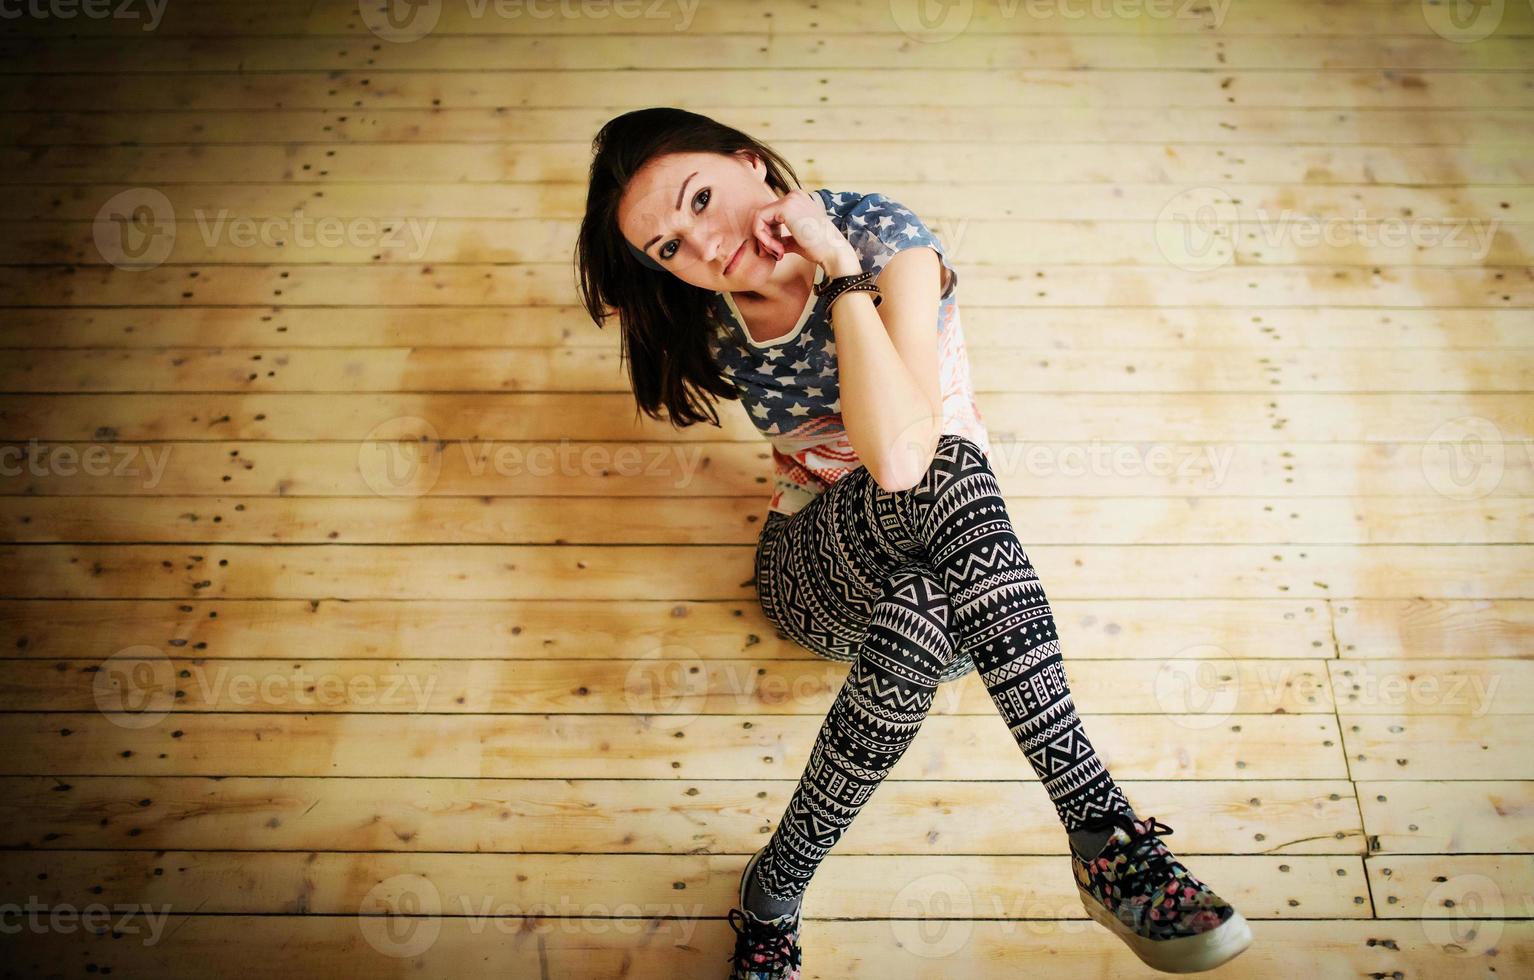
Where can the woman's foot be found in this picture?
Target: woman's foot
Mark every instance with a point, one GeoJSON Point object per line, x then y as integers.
{"type": "Point", "coordinates": [765, 949]}
{"type": "Point", "coordinates": [1141, 893]}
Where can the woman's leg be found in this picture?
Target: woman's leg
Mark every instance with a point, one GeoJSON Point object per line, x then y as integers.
{"type": "Point", "coordinates": [874, 718]}
{"type": "Point", "coordinates": [953, 526]}
{"type": "Point", "coordinates": [956, 514]}
{"type": "Point", "coordinates": [819, 571]}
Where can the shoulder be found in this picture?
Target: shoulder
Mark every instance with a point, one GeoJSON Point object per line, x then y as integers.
{"type": "Point", "coordinates": [878, 226]}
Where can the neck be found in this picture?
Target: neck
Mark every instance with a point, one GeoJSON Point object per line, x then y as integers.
{"type": "Point", "coordinates": [787, 281]}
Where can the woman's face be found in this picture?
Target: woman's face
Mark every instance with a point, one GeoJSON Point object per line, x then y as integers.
{"type": "Point", "coordinates": [691, 213]}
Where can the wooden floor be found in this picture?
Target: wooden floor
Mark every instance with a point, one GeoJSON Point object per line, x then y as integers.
{"type": "Point", "coordinates": [353, 628]}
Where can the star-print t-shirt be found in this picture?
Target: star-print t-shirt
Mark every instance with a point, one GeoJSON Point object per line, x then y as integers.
{"type": "Point", "coordinates": [789, 385]}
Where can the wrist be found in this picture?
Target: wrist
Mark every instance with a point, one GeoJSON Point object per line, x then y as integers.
{"type": "Point", "coordinates": [844, 263]}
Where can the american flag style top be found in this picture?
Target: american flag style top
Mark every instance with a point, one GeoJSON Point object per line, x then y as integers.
{"type": "Point", "coordinates": [789, 385]}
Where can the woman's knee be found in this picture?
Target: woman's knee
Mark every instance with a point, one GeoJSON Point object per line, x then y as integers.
{"type": "Point", "coordinates": [957, 453]}
{"type": "Point", "coordinates": [957, 461]}
{"type": "Point", "coordinates": [917, 609]}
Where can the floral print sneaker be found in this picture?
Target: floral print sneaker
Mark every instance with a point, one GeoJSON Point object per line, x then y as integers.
{"type": "Point", "coordinates": [1141, 893]}
{"type": "Point", "coordinates": [764, 949]}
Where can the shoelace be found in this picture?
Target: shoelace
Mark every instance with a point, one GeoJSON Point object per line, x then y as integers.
{"type": "Point", "coordinates": [1141, 846]}
{"type": "Point", "coordinates": [760, 945]}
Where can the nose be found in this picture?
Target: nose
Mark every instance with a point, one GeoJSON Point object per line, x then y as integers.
{"type": "Point", "coordinates": [718, 249]}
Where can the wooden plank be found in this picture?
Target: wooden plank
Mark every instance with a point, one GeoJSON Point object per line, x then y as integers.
{"type": "Point", "coordinates": [1479, 814]}
{"type": "Point", "coordinates": [1294, 53]}
{"type": "Point", "coordinates": [1458, 886]}
{"type": "Point", "coordinates": [303, 369]}
{"type": "Point", "coordinates": [466, 571]}
{"type": "Point", "coordinates": [732, 90]}
{"type": "Point", "coordinates": [999, 125]}
{"type": "Point", "coordinates": [990, 887]}
{"type": "Point", "coordinates": [572, 630]}
{"type": "Point", "coordinates": [339, 18]}
{"type": "Point", "coordinates": [664, 948]}
{"type": "Point", "coordinates": [1205, 684]}
{"type": "Point", "coordinates": [632, 745]}
{"type": "Point", "coordinates": [1322, 552]}
{"type": "Point", "coordinates": [868, 162]}
{"type": "Point", "coordinates": [986, 328]}
{"type": "Point", "coordinates": [479, 284]}
{"type": "Point", "coordinates": [1419, 627]}
{"type": "Point", "coordinates": [949, 209]}
{"type": "Point", "coordinates": [629, 816]}
{"type": "Point", "coordinates": [391, 238]}
{"type": "Point", "coordinates": [488, 421]}
{"type": "Point", "coordinates": [1438, 746]}
{"type": "Point", "coordinates": [148, 513]}
{"type": "Point", "coordinates": [1463, 687]}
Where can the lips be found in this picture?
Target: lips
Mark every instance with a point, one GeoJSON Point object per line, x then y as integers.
{"type": "Point", "coordinates": [730, 266]}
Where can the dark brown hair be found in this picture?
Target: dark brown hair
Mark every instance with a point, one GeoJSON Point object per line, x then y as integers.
{"type": "Point", "coordinates": [665, 322]}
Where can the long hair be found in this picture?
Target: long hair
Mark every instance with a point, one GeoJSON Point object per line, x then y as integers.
{"type": "Point", "coordinates": [665, 322]}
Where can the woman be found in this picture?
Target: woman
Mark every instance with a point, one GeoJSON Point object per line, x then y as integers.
{"type": "Point", "coordinates": [886, 542]}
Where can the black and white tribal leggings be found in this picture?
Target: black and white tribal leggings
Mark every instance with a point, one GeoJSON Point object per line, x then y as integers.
{"type": "Point", "coordinates": [915, 587]}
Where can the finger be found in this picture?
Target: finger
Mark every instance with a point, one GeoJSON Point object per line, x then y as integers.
{"type": "Point", "coordinates": [765, 228]}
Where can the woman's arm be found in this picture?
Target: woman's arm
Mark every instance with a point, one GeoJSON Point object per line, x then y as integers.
{"type": "Point", "coordinates": [888, 365]}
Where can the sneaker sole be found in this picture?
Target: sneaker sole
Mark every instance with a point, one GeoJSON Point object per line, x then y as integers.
{"type": "Point", "coordinates": [1186, 954]}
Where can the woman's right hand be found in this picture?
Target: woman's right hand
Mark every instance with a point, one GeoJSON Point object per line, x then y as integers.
{"type": "Point", "coordinates": [811, 232]}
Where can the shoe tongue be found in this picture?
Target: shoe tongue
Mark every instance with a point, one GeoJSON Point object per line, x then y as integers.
{"type": "Point", "coordinates": [787, 918]}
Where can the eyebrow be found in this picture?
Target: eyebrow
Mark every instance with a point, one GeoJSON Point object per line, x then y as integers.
{"type": "Point", "coordinates": [679, 192]}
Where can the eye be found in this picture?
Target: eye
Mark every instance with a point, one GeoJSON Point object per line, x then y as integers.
{"type": "Point", "coordinates": [704, 193]}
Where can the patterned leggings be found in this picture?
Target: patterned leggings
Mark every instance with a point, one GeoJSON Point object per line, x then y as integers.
{"type": "Point", "coordinates": [915, 587]}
